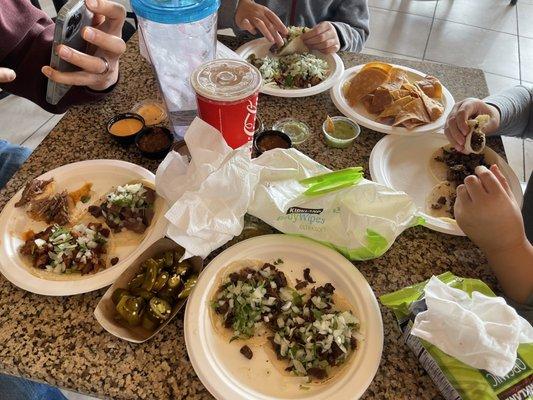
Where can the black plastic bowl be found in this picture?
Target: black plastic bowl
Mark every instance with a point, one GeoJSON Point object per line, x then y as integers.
{"type": "Point", "coordinates": [161, 153]}
{"type": "Point", "coordinates": [125, 139]}
{"type": "Point", "coordinates": [260, 137]}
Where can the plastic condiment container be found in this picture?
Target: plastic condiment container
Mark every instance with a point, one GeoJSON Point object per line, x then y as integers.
{"type": "Point", "coordinates": [269, 140]}
{"type": "Point", "coordinates": [226, 94]}
{"type": "Point", "coordinates": [344, 133]}
{"type": "Point", "coordinates": [125, 127]}
{"type": "Point", "coordinates": [297, 131]}
{"type": "Point", "coordinates": [153, 111]}
{"type": "Point", "coordinates": [177, 37]}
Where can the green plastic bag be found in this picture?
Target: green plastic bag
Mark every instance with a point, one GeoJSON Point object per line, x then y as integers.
{"type": "Point", "coordinates": [454, 379]}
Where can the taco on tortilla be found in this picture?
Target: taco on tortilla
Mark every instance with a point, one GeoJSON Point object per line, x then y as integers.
{"type": "Point", "coordinates": [293, 42]}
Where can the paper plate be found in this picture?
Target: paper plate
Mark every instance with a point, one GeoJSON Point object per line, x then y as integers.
{"type": "Point", "coordinates": [403, 164]}
{"type": "Point", "coordinates": [228, 375]}
{"type": "Point", "coordinates": [261, 47]}
{"type": "Point", "coordinates": [360, 115]}
{"type": "Point", "coordinates": [104, 175]}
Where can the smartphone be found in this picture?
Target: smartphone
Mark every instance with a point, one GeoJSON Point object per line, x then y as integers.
{"type": "Point", "coordinates": [70, 21]}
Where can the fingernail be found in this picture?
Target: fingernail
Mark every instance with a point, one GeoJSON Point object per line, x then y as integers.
{"type": "Point", "coordinates": [11, 76]}
{"type": "Point", "coordinates": [88, 34]}
{"type": "Point", "coordinates": [46, 70]}
{"type": "Point", "coordinates": [92, 3]}
{"type": "Point", "coordinates": [65, 52]}
{"type": "Point", "coordinates": [480, 168]}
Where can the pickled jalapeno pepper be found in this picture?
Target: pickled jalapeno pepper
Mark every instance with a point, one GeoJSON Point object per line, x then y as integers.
{"type": "Point", "coordinates": [153, 293]}
{"type": "Point", "coordinates": [159, 309]}
{"type": "Point", "coordinates": [187, 287]}
{"type": "Point", "coordinates": [117, 295]}
{"type": "Point", "coordinates": [161, 281]}
{"type": "Point", "coordinates": [130, 309]}
{"type": "Point", "coordinates": [150, 275]}
{"type": "Point", "coordinates": [169, 259]}
{"type": "Point", "coordinates": [136, 282]}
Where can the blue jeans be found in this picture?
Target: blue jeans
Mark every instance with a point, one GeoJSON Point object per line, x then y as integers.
{"type": "Point", "coordinates": [15, 388]}
{"type": "Point", "coordinates": [11, 158]}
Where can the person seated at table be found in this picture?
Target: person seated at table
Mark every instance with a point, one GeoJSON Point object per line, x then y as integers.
{"type": "Point", "coordinates": [25, 47]}
{"type": "Point", "coordinates": [486, 209]}
{"type": "Point", "coordinates": [336, 25]}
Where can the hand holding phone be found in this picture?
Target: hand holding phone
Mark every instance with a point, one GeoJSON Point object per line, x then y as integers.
{"type": "Point", "coordinates": [87, 47]}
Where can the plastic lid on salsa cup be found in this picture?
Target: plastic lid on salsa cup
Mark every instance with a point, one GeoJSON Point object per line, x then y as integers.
{"type": "Point", "coordinates": [226, 80]}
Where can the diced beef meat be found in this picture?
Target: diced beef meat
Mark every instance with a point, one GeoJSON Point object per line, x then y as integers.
{"type": "Point", "coordinates": [307, 276]}
{"type": "Point", "coordinates": [247, 352]}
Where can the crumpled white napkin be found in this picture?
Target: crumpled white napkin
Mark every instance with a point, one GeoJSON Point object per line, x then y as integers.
{"type": "Point", "coordinates": [211, 194]}
{"type": "Point", "coordinates": [481, 331]}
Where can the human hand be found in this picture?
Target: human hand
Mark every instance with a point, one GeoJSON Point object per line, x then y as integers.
{"type": "Point", "coordinates": [7, 75]}
{"type": "Point", "coordinates": [488, 213]}
{"type": "Point", "coordinates": [251, 17]}
{"type": "Point", "coordinates": [105, 36]}
{"type": "Point", "coordinates": [323, 37]}
{"type": "Point", "coordinates": [456, 129]}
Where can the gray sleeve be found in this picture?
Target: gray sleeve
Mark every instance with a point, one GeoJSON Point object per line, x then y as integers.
{"type": "Point", "coordinates": [351, 22]}
{"type": "Point", "coordinates": [516, 111]}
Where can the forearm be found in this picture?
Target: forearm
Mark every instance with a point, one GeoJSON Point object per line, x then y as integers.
{"type": "Point", "coordinates": [514, 269]}
{"type": "Point", "coordinates": [515, 110]}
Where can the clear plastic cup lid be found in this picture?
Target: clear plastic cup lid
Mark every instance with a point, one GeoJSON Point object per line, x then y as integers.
{"type": "Point", "coordinates": [296, 130]}
{"type": "Point", "coordinates": [226, 80]}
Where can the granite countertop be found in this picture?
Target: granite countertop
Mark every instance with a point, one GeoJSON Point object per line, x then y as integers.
{"type": "Point", "coordinates": [57, 339]}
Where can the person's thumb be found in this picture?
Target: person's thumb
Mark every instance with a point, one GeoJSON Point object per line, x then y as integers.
{"type": "Point", "coordinates": [246, 25]}
{"type": "Point", "coordinates": [7, 75]}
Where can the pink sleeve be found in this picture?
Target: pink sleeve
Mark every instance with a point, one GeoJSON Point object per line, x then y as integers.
{"type": "Point", "coordinates": [27, 36]}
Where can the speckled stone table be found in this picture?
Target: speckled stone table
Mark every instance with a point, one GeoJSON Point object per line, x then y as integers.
{"type": "Point", "coordinates": [57, 340]}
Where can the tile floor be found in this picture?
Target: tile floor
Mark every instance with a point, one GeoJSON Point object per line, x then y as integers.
{"type": "Point", "coordinates": [499, 40]}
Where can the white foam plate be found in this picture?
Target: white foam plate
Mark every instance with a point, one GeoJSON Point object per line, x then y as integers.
{"type": "Point", "coordinates": [104, 175]}
{"type": "Point", "coordinates": [261, 48]}
{"type": "Point", "coordinates": [403, 164]}
{"type": "Point", "coordinates": [360, 115]}
{"type": "Point", "coordinates": [228, 375]}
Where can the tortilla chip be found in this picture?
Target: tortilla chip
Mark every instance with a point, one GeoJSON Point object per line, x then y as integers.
{"type": "Point", "coordinates": [393, 109]}
{"type": "Point", "coordinates": [398, 76]}
{"type": "Point", "coordinates": [400, 93]}
{"type": "Point", "coordinates": [433, 107]}
{"type": "Point", "coordinates": [378, 65]}
{"type": "Point", "coordinates": [382, 98]}
{"type": "Point", "coordinates": [431, 86]}
{"type": "Point", "coordinates": [363, 83]}
{"type": "Point", "coordinates": [413, 114]}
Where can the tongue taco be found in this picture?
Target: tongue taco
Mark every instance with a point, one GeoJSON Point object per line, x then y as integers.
{"type": "Point", "coordinates": [475, 141]}
{"type": "Point", "coordinates": [293, 42]}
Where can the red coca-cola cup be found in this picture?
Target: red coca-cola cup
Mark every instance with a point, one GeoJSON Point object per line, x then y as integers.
{"type": "Point", "coordinates": [226, 94]}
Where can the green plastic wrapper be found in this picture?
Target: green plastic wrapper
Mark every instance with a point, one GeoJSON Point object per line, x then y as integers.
{"type": "Point", "coordinates": [454, 379]}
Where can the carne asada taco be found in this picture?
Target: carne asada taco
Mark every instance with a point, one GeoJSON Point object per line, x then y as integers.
{"type": "Point", "coordinates": [130, 207]}
{"type": "Point", "coordinates": [67, 253]}
{"type": "Point", "coordinates": [293, 43]}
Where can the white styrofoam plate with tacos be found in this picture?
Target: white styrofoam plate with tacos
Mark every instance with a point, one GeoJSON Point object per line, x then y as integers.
{"type": "Point", "coordinates": [261, 48]}
{"type": "Point", "coordinates": [407, 164]}
{"type": "Point", "coordinates": [216, 358]}
{"type": "Point", "coordinates": [16, 226]}
{"type": "Point", "coordinates": [359, 113]}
